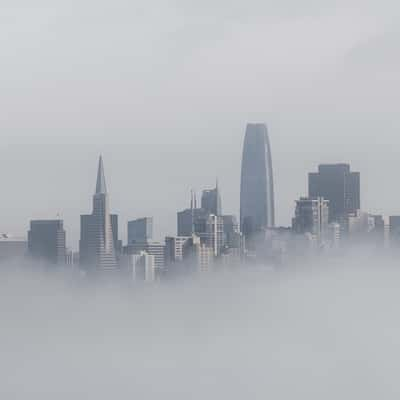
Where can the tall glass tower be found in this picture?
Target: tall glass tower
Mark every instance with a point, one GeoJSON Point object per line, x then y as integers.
{"type": "Point", "coordinates": [257, 209]}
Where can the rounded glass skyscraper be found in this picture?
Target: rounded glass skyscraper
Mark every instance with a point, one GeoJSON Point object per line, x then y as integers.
{"type": "Point", "coordinates": [257, 209]}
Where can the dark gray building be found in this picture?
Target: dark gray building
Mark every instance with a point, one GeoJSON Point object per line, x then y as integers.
{"type": "Point", "coordinates": [312, 216]}
{"type": "Point", "coordinates": [12, 247]}
{"type": "Point", "coordinates": [99, 232]}
{"type": "Point", "coordinates": [394, 231]}
{"type": "Point", "coordinates": [336, 183]}
{"type": "Point", "coordinates": [187, 220]}
{"type": "Point", "coordinates": [175, 247]}
{"type": "Point", "coordinates": [232, 235]}
{"type": "Point", "coordinates": [140, 230]}
{"type": "Point", "coordinates": [47, 241]}
{"type": "Point", "coordinates": [211, 201]}
{"type": "Point", "coordinates": [257, 209]}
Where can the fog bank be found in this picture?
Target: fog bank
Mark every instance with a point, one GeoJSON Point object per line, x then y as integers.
{"type": "Point", "coordinates": [329, 332]}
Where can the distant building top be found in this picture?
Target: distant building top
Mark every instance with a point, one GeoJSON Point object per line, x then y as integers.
{"type": "Point", "coordinates": [7, 237]}
{"type": "Point", "coordinates": [101, 180]}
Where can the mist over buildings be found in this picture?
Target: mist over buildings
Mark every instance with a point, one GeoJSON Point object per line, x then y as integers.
{"type": "Point", "coordinates": [164, 90]}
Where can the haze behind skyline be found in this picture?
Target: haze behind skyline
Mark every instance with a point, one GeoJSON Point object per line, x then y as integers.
{"type": "Point", "coordinates": [164, 92]}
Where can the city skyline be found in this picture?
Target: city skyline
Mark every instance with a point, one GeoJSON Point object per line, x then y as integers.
{"type": "Point", "coordinates": [328, 218]}
{"type": "Point", "coordinates": [161, 234]}
{"type": "Point", "coordinates": [198, 199]}
{"type": "Point", "coordinates": [327, 97]}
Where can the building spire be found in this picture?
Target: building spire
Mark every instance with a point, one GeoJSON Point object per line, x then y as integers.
{"type": "Point", "coordinates": [101, 180]}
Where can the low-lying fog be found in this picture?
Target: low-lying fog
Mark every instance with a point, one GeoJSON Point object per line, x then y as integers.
{"type": "Point", "coordinates": [327, 332]}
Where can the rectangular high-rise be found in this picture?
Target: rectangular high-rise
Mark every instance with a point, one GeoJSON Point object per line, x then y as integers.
{"type": "Point", "coordinates": [211, 201]}
{"type": "Point", "coordinates": [312, 216]}
{"type": "Point", "coordinates": [394, 231]}
{"type": "Point", "coordinates": [141, 266]}
{"type": "Point", "coordinates": [336, 183]}
{"type": "Point", "coordinates": [175, 248]}
{"type": "Point", "coordinates": [187, 220]}
{"type": "Point", "coordinates": [140, 230]}
{"type": "Point", "coordinates": [46, 241]}
{"type": "Point", "coordinates": [232, 235]}
{"type": "Point", "coordinates": [12, 247]}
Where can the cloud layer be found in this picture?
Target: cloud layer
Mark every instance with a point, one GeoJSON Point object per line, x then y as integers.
{"type": "Point", "coordinates": [327, 332]}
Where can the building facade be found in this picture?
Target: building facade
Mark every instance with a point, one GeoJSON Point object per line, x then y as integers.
{"type": "Point", "coordinates": [232, 236]}
{"type": "Point", "coordinates": [187, 219]}
{"type": "Point", "coordinates": [210, 230]}
{"type": "Point", "coordinates": [312, 216]}
{"type": "Point", "coordinates": [257, 208]}
{"type": "Point", "coordinates": [47, 241]}
{"type": "Point", "coordinates": [142, 266]}
{"type": "Point", "coordinates": [211, 201]}
{"type": "Point", "coordinates": [155, 249]}
{"type": "Point", "coordinates": [175, 247]}
{"type": "Point", "coordinates": [12, 247]}
{"type": "Point", "coordinates": [394, 232]}
{"type": "Point", "coordinates": [97, 247]}
{"type": "Point", "coordinates": [336, 183]}
{"type": "Point", "coordinates": [140, 230]}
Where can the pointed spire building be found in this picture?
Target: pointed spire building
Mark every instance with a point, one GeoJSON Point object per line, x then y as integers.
{"type": "Point", "coordinates": [97, 244]}
{"type": "Point", "coordinates": [101, 180]}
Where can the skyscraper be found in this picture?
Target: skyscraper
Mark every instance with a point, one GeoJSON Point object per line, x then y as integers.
{"type": "Point", "coordinates": [210, 230]}
{"type": "Point", "coordinates": [155, 249]}
{"type": "Point", "coordinates": [394, 231]}
{"type": "Point", "coordinates": [175, 248]}
{"type": "Point", "coordinates": [142, 266]}
{"type": "Point", "coordinates": [12, 247]}
{"type": "Point", "coordinates": [46, 241]}
{"type": "Point", "coordinates": [211, 201]}
{"type": "Point", "coordinates": [312, 216]}
{"type": "Point", "coordinates": [140, 230]}
{"type": "Point", "coordinates": [232, 235]}
{"type": "Point", "coordinates": [336, 183]}
{"type": "Point", "coordinates": [257, 210]}
{"type": "Point", "coordinates": [186, 219]}
{"type": "Point", "coordinates": [97, 247]}
{"type": "Point", "coordinates": [198, 256]}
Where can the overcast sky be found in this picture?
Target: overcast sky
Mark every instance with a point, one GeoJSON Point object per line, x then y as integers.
{"type": "Point", "coordinates": [164, 89]}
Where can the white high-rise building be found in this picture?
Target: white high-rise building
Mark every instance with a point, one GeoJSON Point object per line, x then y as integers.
{"type": "Point", "coordinates": [142, 266]}
{"type": "Point", "coordinates": [204, 255]}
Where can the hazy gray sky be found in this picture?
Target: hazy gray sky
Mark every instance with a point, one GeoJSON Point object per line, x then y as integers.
{"type": "Point", "coordinates": [164, 90]}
